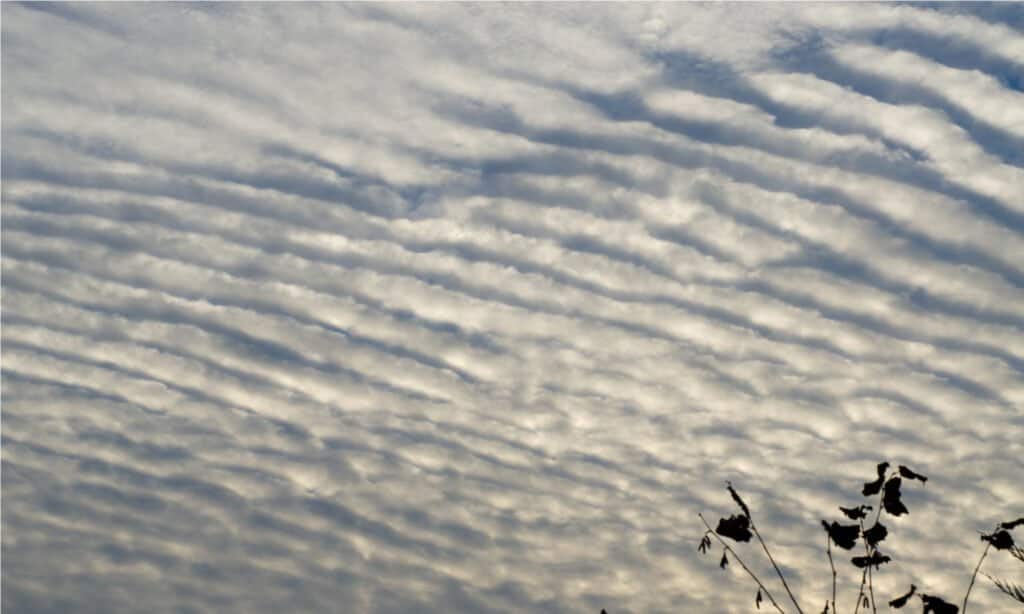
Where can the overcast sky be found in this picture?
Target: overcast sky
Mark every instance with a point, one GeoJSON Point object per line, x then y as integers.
{"type": "Point", "coordinates": [473, 308]}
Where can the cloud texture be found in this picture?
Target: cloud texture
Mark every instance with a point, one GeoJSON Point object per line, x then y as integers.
{"type": "Point", "coordinates": [472, 308]}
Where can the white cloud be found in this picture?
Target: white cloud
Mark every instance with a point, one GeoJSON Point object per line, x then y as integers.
{"type": "Point", "coordinates": [473, 308]}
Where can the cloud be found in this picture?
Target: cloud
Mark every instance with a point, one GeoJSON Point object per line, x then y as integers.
{"type": "Point", "coordinates": [473, 308]}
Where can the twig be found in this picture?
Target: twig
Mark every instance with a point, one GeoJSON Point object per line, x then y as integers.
{"type": "Point", "coordinates": [984, 553]}
{"type": "Point", "coordinates": [871, 590]}
{"type": "Point", "coordinates": [871, 583]}
{"type": "Point", "coordinates": [878, 514]}
{"type": "Point", "coordinates": [860, 595]}
{"type": "Point", "coordinates": [777, 570]}
{"type": "Point", "coordinates": [867, 550]}
{"type": "Point", "coordinates": [737, 558]}
{"type": "Point", "coordinates": [832, 564]}
{"type": "Point", "coordinates": [866, 573]}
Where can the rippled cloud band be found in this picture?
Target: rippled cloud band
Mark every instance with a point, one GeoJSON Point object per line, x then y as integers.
{"type": "Point", "coordinates": [472, 308]}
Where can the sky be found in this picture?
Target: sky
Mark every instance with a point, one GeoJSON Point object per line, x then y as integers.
{"type": "Point", "coordinates": [473, 307]}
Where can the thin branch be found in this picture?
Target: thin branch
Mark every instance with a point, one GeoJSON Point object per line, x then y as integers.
{"type": "Point", "coordinates": [777, 570]}
{"type": "Point", "coordinates": [867, 550]}
{"type": "Point", "coordinates": [871, 590]}
{"type": "Point", "coordinates": [878, 514]}
{"type": "Point", "coordinates": [984, 553]}
{"type": "Point", "coordinates": [832, 564]}
{"type": "Point", "coordinates": [737, 558]}
{"type": "Point", "coordinates": [865, 574]}
{"type": "Point", "coordinates": [860, 595]}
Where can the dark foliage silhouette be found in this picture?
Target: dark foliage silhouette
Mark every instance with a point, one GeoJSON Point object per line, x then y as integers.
{"type": "Point", "coordinates": [887, 485]}
{"type": "Point", "coordinates": [1000, 540]}
{"type": "Point", "coordinates": [901, 601]}
{"type": "Point", "coordinates": [855, 513]}
{"type": "Point", "coordinates": [891, 499]}
{"type": "Point", "coordinates": [872, 488]}
{"type": "Point", "coordinates": [875, 559]}
{"type": "Point", "coordinates": [937, 605]}
{"type": "Point", "coordinates": [735, 527]}
{"type": "Point", "coordinates": [844, 536]}
{"type": "Point", "coordinates": [910, 475]}
{"type": "Point", "coordinates": [1013, 524]}
{"type": "Point", "coordinates": [875, 534]}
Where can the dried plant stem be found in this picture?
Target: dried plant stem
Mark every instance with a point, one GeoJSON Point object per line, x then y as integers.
{"type": "Point", "coordinates": [777, 570]}
{"type": "Point", "coordinates": [832, 564]}
{"type": "Point", "coordinates": [737, 558]}
{"type": "Point", "coordinates": [867, 550]}
{"type": "Point", "coordinates": [871, 591]}
{"type": "Point", "coordinates": [871, 583]}
{"type": "Point", "coordinates": [865, 575]}
{"type": "Point", "coordinates": [860, 595]}
{"type": "Point", "coordinates": [984, 553]}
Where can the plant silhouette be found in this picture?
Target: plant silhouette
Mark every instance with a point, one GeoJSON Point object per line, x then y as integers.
{"type": "Point", "coordinates": [1002, 540]}
{"type": "Point", "coordinates": [887, 486]}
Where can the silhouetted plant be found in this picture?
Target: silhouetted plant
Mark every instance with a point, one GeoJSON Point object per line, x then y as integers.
{"type": "Point", "coordinates": [887, 485]}
{"type": "Point", "coordinates": [1002, 540]}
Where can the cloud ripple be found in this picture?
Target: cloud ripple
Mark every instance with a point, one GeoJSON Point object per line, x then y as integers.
{"type": "Point", "coordinates": [380, 308]}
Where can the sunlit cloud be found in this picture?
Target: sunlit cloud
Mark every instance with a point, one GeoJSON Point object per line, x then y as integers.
{"type": "Point", "coordinates": [424, 307]}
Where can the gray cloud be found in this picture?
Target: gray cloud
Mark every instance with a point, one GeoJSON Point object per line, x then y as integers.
{"type": "Point", "coordinates": [390, 308]}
